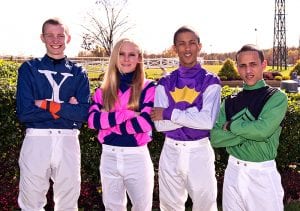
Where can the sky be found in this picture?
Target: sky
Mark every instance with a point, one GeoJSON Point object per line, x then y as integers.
{"type": "Point", "coordinates": [223, 26]}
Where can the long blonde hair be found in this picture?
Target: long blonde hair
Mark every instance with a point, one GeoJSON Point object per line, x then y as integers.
{"type": "Point", "coordinates": [111, 79]}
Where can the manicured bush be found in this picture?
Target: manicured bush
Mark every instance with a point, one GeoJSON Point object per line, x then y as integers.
{"type": "Point", "coordinates": [223, 78]}
{"type": "Point", "coordinates": [229, 70]}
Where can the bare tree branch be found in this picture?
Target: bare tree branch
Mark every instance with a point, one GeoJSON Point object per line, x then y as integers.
{"type": "Point", "coordinates": [103, 34]}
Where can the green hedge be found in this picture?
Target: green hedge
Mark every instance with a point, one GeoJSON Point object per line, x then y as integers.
{"type": "Point", "coordinates": [228, 71]}
{"type": "Point", "coordinates": [296, 68]}
{"type": "Point", "coordinates": [12, 134]}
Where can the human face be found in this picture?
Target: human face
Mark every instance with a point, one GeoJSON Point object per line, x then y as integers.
{"type": "Point", "coordinates": [129, 57]}
{"type": "Point", "coordinates": [187, 48]}
{"type": "Point", "coordinates": [55, 39]}
{"type": "Point", "coordinates": [250, 67]}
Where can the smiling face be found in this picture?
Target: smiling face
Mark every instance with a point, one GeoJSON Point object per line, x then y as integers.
{"type": "Point", "coordinates": [250, 67]}
{"type": "Point", "coordinates": [55, 38]}
{"type": "Point", "coordinates": [187, 47]}
{"type": "Point", "coordinates": [129, 57]}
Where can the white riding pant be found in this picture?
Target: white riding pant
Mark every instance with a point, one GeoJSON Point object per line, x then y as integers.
{"type": "Point", "coordinates": [187, 167]}
{"type": "Point", "coordinates": [45, 154]}
{"type": "Point", "coordinates": [126, 169]}
{"type": "Point", "coordinates": [252, 186]}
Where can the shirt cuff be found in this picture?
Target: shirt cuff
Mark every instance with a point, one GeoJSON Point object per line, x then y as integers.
{"type": "Point", "coordinates": [167, 113]}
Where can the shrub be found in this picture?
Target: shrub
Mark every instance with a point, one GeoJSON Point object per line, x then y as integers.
{"type": "Point", "coordinates": [226, 91]}
{"type": "Point", "coordinates": [286, 77]}
{"type": "Point", "coordinates": [276, 73]}
{"type": "Point", "coordinates": [12, 134]}
{"type": "Point", "coordinates": [8, 69]}
{"type": "Point", "coordinates": [223, 78]}
{"type": "Point", "coordinates": [229, 70]}
{"type": "Point", "coordinates": [289, 152]}
{"type": "Point", "coordinates": [278, 78]}
{"type": "Point", "coordinates": [268, 75]}
{"type": "Point", "coordinates": [296, 68]}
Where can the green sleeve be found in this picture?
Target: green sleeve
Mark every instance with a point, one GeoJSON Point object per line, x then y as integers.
{"type": "Point", "coordinates": [221, 138]}
{"type": "Point", "coordinates": [267, 123]}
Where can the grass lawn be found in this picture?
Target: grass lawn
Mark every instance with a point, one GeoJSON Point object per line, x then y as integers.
{"type": "Point", "coordinates": [94, 70]}
{"type": "Point", "coordinates": [216, 68]}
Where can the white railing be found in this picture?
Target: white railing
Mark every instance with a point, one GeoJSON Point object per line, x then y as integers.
{"type": "Point", "coordinates": [103, 61]}
{"type": "Point", "coordinates": [148, 63]}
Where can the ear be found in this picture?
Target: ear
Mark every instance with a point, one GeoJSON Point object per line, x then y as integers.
{"type": "Point", "coordinates": [68, 39]}
{"type": "Point", "coordinates": [200, 46]}
{"type": "Point", "coordinates": [42, 38]}
{"type": "Point", "coordinates": [175, 49]}
{"type": "Point", "coordinates": [264, 64]}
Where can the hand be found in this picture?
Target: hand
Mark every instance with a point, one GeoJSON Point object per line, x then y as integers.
{"type": "Point", "coordinates": [157, 114]}
{"type": "Point", "coordinates": [38, 103]}
{"type": "Point", "coordinates": [73, 100]}
{"type": "Point", "coordinates": [50, 106]}
{"type": "Point", "coordinates": [226, 126]}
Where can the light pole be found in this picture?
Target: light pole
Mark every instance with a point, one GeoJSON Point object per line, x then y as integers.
{"type": "Point", "coordinates": [256, 38]}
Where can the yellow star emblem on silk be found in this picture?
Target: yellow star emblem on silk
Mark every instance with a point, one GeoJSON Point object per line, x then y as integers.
{"type": "Point", "coordinates": [185, 94]}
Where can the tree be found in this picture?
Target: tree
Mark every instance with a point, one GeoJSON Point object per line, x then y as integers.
{"type": "Point", "coordinates": [169, 53]}
{"type": "Point", "coordinates": [104, 27]}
